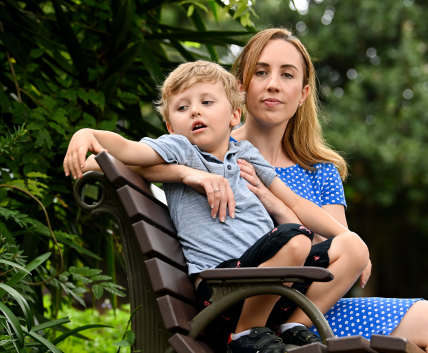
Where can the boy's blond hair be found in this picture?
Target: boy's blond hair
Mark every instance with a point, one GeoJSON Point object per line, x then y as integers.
{"type": "Point", "coordinates": [187, 74]}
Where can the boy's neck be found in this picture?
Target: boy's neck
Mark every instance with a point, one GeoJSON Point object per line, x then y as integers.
{"type": "Point", "coordinates": [218, 151]}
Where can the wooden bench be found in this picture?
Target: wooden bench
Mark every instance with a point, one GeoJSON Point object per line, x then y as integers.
{"type": "Point", "coordinates": [161, 295]}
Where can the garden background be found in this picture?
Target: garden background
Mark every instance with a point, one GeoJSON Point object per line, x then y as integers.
{"type": "Point", "coordinates": [70, 64]}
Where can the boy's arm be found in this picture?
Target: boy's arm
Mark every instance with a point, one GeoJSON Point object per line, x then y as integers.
{"type": "Point", "coordinates": [127, 151]}
{"type": "Point", "coordinates": [312, 216]}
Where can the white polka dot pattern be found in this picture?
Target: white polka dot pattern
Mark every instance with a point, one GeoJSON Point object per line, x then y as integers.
{"type": "Point", "coordinates": [367, 316]}
{"type": "Point", "coordinates": [322, 186]}
{"type": "Point", "coordinates": [350, 316]}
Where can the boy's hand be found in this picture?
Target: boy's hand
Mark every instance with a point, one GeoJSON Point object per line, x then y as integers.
{"type": "Point", "coordinates": [81, 142]}
{"type": "Point", "coordinates": [219, 193]}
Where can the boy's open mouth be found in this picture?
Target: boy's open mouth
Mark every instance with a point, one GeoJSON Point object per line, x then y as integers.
{"type": "Point", "coordinates": [198, 126]}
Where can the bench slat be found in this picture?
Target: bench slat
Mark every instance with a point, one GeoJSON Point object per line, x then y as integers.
{"type": "Point", "coordinates": [388, 344]}
{"type": "Point", "coordinates": [176, 314]}
{"type": "Point", "coordinates": [310, 348]}
{"type": "Point", "coordinates": [352, 344]}
{"type": "Point", "coordinates": [139, 206]}
{"type": "Point", "coordinates": [186, 344]}
{"type": "Point", "coordinates": [169, 279]}
{"type": "Point", "coordinates": [120, 174]}
{"type": "Point", "coordinates": [154, 242]}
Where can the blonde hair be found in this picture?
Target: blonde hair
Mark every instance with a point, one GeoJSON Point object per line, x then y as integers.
{"type": "Point", "coordinates": [187, 74]}
{"type": "Point", "coordinates": [303, 140]}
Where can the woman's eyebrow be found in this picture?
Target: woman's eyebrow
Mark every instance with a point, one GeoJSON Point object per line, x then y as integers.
{"type": "Point", "coordinates": [283, 66]}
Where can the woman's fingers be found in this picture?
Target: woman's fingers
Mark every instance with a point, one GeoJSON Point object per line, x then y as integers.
{"type": "Point", "coordinates": [249, 173]}
{"type": "Point", "coordinates": [366, 274]}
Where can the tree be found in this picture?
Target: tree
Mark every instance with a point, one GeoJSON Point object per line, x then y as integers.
{"type": "Point", "coordinates": [70, 64]}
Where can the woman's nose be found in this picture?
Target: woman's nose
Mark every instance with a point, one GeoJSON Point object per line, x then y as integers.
{"type": "Point", "coordinates": [273, 84]}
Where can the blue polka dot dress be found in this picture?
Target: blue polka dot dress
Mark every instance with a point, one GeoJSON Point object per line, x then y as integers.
{"type": "Point", "coordinates": [349, 316]}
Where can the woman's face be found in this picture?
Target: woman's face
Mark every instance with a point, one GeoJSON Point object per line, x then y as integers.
{"type": "Point", "coordinates": [276, 88]}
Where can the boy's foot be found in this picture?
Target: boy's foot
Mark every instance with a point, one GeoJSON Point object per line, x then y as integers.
{"type": "Point", "coordinates": [259, 340]}
{"type": "Point", "coordinates": [299, 335]}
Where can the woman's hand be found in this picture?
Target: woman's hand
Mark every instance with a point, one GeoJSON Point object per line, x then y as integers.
{"type": "Point", "coordinates": [275, 207]}
{"type": "Point", "coordinates": [366, 275]}
{"type": "Point", "coordinates": [219, 193]}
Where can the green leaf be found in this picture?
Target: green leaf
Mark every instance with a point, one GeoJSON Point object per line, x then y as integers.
{"type": "Point", "coordinates": [76, 330]}
{"type": "Point", "coordinates": [98, 291]}
{"type": "Point", "coordinates": [123, 61]}
{"type": "Point", "coordinates": [51, 323]}
{"type": "Point", "coordinates": [22, 274]}
{"type": "Point", "coordinates": [14, 323]}
{"type": "Point", "coordinates": [21, 302]}
{"type": "Point", "coordinates": [44, 342]}
{"type": "Point", "coordinates": [13, 264]}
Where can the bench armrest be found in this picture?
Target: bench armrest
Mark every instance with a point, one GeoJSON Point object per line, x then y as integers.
{"type": "Point", "coordinates": [267, 274]}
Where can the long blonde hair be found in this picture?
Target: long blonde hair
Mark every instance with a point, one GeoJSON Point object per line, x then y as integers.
{"type": "Point", "coordinates": [303, 140]}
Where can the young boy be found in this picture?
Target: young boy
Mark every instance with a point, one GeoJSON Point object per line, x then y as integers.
{"type": "Point", "coordinates": [200, 104]}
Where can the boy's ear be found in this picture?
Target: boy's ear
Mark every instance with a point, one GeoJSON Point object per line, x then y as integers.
{"type": "Point", "coordinates": [169, 127]}
{"type": "Point", "coordinates": [236, 117]}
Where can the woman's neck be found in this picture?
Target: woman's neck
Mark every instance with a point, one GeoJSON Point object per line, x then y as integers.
{"type": "Point", "coordinates": [267, 140]}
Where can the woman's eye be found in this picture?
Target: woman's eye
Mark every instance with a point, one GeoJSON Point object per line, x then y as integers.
{"type": "Point", "coordinates": [287, 75]}
{"type": "Point", "coordinates": [261, 73]}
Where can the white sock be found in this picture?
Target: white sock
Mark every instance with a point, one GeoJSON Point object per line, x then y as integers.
{"type": "Point", "coordinates": [289, 325]}
{"type": "Point", "coordinates": [235, 336]}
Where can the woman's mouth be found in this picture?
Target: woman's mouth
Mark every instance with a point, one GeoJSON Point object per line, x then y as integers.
{"type": "Point", "coordinates": [271, 102]}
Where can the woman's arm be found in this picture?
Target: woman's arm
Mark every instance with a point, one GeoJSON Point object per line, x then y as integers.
{"type": "Point", "coordinates": [312, 216]}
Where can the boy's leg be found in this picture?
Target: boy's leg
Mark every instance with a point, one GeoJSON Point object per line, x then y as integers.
{"type": "Point", "coordinates": [269, 250]}
{"type": "Point", "coordinates": [286, 245]}
{"type": "Point", "coordinates": [348, 257]}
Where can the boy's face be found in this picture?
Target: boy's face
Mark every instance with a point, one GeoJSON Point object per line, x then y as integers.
{"type": "Point", "coordinates": [203, 114]}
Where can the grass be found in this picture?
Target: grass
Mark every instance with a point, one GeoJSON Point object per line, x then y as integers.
{"type": "Point", "coordinates": [101, 340]}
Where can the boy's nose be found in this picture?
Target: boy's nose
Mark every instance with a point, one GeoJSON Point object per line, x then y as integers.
{"type": "Point", "coordinates": [195, 112]}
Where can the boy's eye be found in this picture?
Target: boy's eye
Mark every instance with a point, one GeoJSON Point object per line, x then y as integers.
{"type": "Point", "coordinates": [182, 108]}
{"type": "Point", "coordinates": [207, 102]}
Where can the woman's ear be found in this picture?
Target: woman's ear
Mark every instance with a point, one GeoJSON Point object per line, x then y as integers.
{"type": "Point", "coordinates": [305, 93]}
{"type": "Point", "coordinates": [240, 85]}
{"type": "Point", "coordinates": [169, 128]}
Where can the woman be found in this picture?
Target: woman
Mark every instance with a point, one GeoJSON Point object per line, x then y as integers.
{"type": "Point", "coordinates": [282, 122]}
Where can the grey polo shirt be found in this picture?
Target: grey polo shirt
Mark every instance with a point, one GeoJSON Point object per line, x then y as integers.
{"type": "Point", "coordinates": [207, 242]}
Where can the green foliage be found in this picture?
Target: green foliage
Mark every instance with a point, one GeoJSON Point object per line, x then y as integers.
{"type": "Point", "coordinates": [65, 65]}
{"type": "Point", "coordinates": [113, 338]}
{"type": "Point", "coordinates": [18, 329]}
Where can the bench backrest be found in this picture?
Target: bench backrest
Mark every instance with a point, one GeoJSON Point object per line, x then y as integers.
{"type": "Point", "coordinates": [159, 249]}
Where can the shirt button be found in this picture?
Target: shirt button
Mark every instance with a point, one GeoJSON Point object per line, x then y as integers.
{"type": "Point", "coordinates": [229, 167]}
